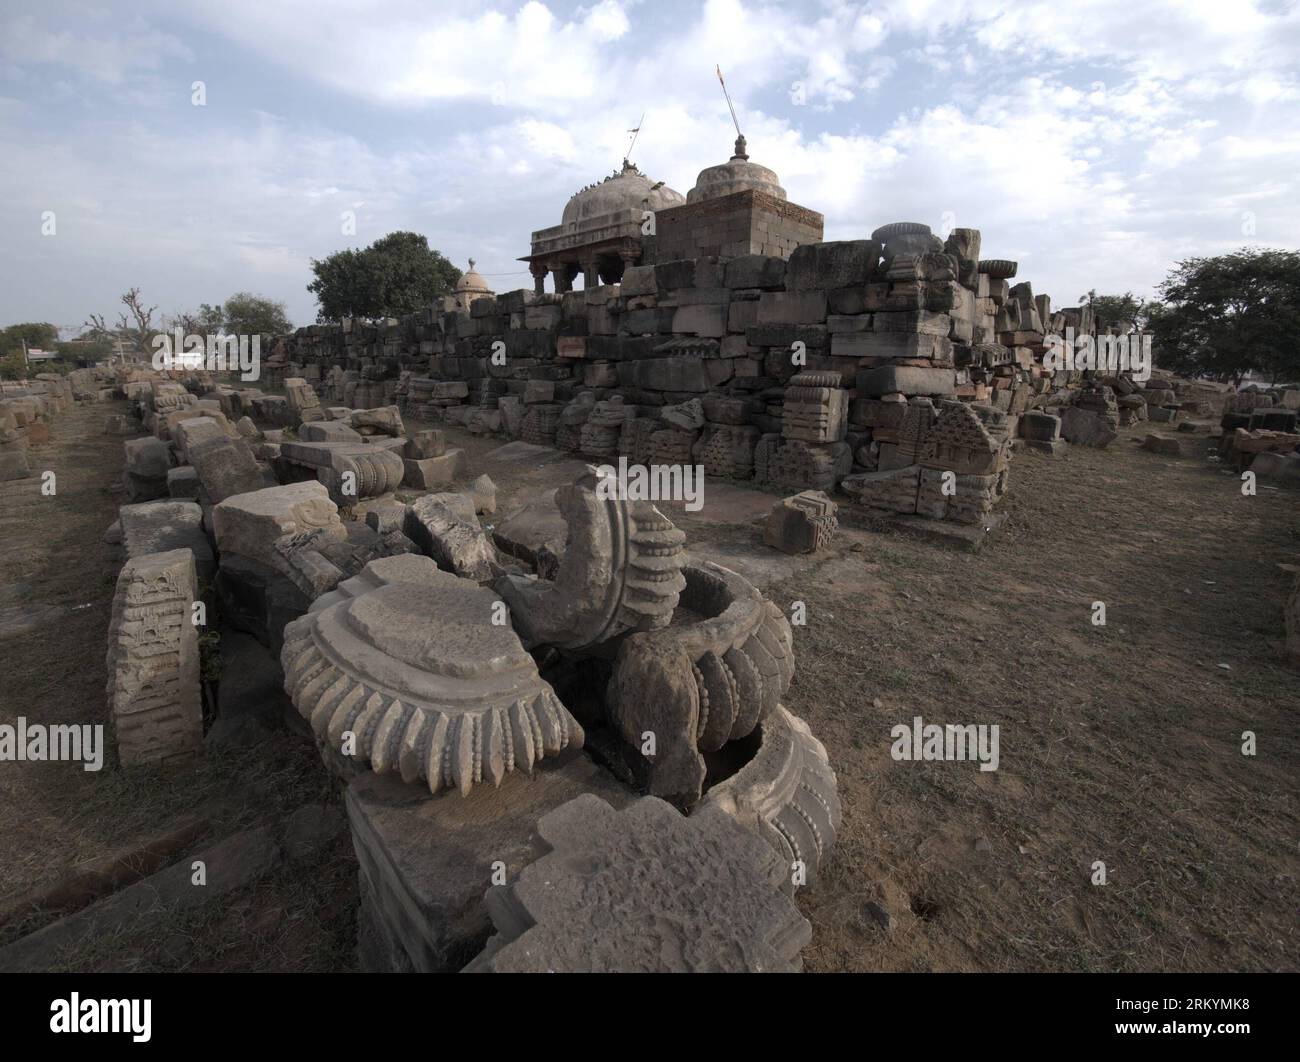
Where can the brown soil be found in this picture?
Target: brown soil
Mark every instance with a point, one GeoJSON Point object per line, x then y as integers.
{"type": "Point", "coordinates": [1119, 744]}
{"type": "Point", "coordinates": [56, 594]}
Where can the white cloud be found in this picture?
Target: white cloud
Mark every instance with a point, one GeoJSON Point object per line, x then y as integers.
{"type": "Point", "coordinates": [1096, 142]}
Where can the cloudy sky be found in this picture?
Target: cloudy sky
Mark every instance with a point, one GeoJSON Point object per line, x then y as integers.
{"type": "Point", "coordinates": [1096, 141]}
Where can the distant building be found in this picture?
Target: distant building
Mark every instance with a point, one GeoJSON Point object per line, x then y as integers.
{"type": "Point", "coordinates": [736, 208]}
{"type": "Point", "coordinates": [469, 287]}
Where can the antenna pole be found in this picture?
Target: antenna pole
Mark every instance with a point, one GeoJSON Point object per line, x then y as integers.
{"type": "Point", "coordinates": [635, 133]}
{"type": "Point", "coordinates": [728, 98]}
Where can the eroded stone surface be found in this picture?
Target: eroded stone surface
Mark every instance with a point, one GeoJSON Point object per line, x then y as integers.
{"type": "Point", "coordinates": [645, 890]}
{"type": "Point", "coordinates": [249, 524]}
{"type": "Point", "coordinates": [162, 526]}
{"type": "Point", "coordinates": [153, 660]}
{"type": "Point", "coordinates": [445, 527]}
{"type": "Point", "coordinates": [424, 861]}
{"type": "Point", "coordinates": [803, 523]}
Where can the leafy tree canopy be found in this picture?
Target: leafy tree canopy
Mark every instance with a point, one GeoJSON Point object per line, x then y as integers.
{"type": "Point", "coordinates": [397, 274]}
{"type": "Point", "coordinates": [1230, 315]}
{"type": "Point", "coordinates": [39, 334]}
{"type": "Point", "coordinates": [1127, 310]}
{"type": "Point", "coordinates": [246, 314]}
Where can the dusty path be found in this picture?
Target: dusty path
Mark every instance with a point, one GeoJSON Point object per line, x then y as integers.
{"type": "Point", "coordinates": [56, 591]}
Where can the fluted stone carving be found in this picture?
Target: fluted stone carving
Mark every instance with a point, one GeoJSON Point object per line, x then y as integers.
{"type": "Point", "coordinates": [350, 471]}
{"type": "Point", "coordinates": [787, 793]}
{"type": "Point", "coordinates": [621, 571]}
{"type": "Point", "coordinates": [423, 676]}
{"type": "Point", "coordinates": [697, 685]}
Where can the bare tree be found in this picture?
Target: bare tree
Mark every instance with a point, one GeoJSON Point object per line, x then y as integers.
{"type": "Point", "coordinates": [142, 332]}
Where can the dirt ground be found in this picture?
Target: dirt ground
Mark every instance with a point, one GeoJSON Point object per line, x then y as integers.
{"type": "Point", "coordinates": [1119, 744]}
{"type": "Point", "coordinates": [57, 578]}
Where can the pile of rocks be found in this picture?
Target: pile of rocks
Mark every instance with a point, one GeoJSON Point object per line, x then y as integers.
{"type": "Point", "coordinates": [27, 408]}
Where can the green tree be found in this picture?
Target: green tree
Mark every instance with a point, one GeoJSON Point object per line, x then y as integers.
{"type": "Point", "coordinates": [397, 274]}
{"type": "Point", "coordinates": [12, 366]}
{"type": "Point", "coordinates": [1230, 315]}
{"type": "Point", "coordinates": [246, 314]}
{"type": "Point", "coordinates": [1127, 310]}
{"type": "Point", "coordinates": [39, 334]}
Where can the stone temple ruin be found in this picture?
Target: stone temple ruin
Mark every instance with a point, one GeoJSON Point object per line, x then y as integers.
{"type": "Point", "coordinates": [898, 372]}
{"type": "Point", "coordinates": [573, 753]}
{"type": "Point", "coordinates": [610, 704]}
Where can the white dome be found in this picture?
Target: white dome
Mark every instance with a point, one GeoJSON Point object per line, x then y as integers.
{"type": "Point", "coordinates": [629, 189]}
{"type": "Point", "coordinates": [736, 175]}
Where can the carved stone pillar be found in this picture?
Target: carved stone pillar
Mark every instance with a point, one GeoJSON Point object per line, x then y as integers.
{"type": "Point", "coordinates": [629, 258]}
{"type": "Point", "coordinates": [538, 270]}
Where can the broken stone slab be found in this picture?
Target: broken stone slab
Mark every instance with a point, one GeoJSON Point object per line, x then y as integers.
{"type": "Point", "coordinates": [423, 861]}
{"type": "Point", "coordinates": [230, 864]}
{"type": "Point", "coordinates": [1277, 467]}
{"type": "Point", "coordinates": [536, 528]}
{"type": "Point", "coordinates": [708, 679]}
{"type": "Point", "coordinates": [183, 483]}
{"type": "Point", "coordinates": [838, 264]}
{"type": "Point", "coordinates": [328, 431]}
{"type": "Point", "coordinates": [163, 526]}
{"type": "Point", "coordinates": [381, 420]}
{"type": "Point", "coordinates": [1040, 426]}
{"type": "Point", "coordinates": [190, 431]}
{"type": "Point", "coordinates": [803, 523]}
{"type": "Point", "coordinates": [147, 462]}
{"type": "Point", "coordinates": [1162, 444]}
{"type": "Point", "coordinates": [258, 599]}
{"type": "Point", "coordinates": [1082, 427]}
{"type": "Point", "coordinates": [905, 379]}
{"type": "Point", "coordinates": [226, 467]}
{"type": "Point", "coordinates": [484, 492]}
{"type": "Point", "coordinates": [153, 660]}
{"type": "Point", "coordinates": [621, 571]}
{"type": "Point", "coordinates": [424, 445]}
{"type": "Point", "coordinates": [688, 416]}
{"type": "Point", "coordinates": [13, 465]}
{"type": "Point", "coordinates": [433, 473]}
{"type": "Point", "coordinates": [786, 792]}
{"type": "Point", "coordinates": [451, 534]}
{"type": "Point", "coordinates": [317, 561]}
{"type": "Point", "coordinates": [249, 524]}
{"type": "Point", "coordinates": [424, 681]}
{"type": "Point", "coordinates": [644, 889]}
